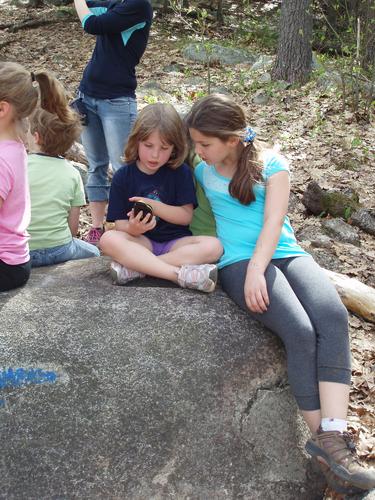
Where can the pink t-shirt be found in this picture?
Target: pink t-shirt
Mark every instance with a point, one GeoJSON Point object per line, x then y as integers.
{"type": "Point", "coordinates": [15, 210]}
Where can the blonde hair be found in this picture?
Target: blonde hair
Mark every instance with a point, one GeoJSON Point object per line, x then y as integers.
{"type": "Point", "coordinates": [217, 115]}
{"type": "Point", "coordinates": [165, 119]}
{"type": "Point", "coordinates": [19, 87]}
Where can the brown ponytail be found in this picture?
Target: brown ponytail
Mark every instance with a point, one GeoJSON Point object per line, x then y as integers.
{"type": "Point", "coordinates": [219, 116]}
{"type": "Point", "coordinates": [53, 98]}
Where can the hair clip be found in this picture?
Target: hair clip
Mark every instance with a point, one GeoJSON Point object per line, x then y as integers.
{"type": "Point", "coordinates": [34, 82]}
{"type": "Point", "coordinates": [250, 134]}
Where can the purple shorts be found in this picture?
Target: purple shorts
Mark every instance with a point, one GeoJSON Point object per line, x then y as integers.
{"type": "Point", "coordinates": [160, 248]}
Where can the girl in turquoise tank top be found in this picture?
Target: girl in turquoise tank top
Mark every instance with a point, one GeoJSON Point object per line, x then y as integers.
{"type": "Point", "coordinates": [266, 272]}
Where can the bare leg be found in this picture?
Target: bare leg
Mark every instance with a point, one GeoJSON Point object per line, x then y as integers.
{"type": "Point", "coordinates": [97, 210]}
{"type": "Point", "coordinates": [334, 399]}
{"type": "Point", "coordinates": [194, 250]}
{"type": "Point", "coordinates": [135, 253]}
{"type": "Point", "coordinates": [312, 419]}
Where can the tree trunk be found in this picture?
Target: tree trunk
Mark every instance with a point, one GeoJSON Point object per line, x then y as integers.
{"type": "Point", "coordinates": [294, 54]}
{"type": "Point", "coordinates": [219, 12]}
{"type": "Point", "coordinates": [368, 35]}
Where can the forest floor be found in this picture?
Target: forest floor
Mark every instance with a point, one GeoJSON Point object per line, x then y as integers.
{"type": "Point", "coordinates": [324, 143]}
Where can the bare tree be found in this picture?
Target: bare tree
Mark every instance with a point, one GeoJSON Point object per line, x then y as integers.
{"type": "Point", "coordinates": [294, 53]}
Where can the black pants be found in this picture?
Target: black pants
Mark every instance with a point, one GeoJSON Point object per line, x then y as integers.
{"type": "Point", "coordinates": [13, 276]}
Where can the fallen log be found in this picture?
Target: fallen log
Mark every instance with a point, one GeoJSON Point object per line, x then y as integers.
{"type": "Point", "coordinates": [34, 23]}
{"type": "Point", "coordinates": [356, 296]}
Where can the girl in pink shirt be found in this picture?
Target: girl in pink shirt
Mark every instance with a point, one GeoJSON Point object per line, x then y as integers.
{"type": "Point", "coordinates": [19, 91]}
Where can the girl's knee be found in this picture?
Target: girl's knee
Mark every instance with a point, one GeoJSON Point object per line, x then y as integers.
{"type": "Point", "coordinates": [339, 313]}
{"type": "Point", "coordinates": [106, 241]}
{"type": "Point", "coordinates": [302, 339]}
{"type": "Point", "coordinates": [213, 248]}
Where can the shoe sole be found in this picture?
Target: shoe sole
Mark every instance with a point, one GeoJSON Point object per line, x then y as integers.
{"type": "Point", "coordinates": [115, 280]}
{"type": "Point", "coordinates": [113, 274]}
{"type": "Point", "coordinates": [340, 471]}
{"type": "Point", "coordinates": [334, 482]}
{"type": "Point", "coordinates": [213, 274]}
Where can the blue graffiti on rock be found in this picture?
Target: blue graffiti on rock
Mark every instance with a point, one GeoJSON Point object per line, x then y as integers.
{"type": "Point", "coordinates": [17, 377]}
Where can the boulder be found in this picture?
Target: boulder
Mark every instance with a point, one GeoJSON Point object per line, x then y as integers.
{"type": "Point", "coordinates": [217, 54]}
{"type": "Point", "coordinates": [262, 63]}
{"type": "Point", "coordinates": [341, 231]}
{"type": "Point", "coordinates": [144, 391]}
{"type": "Point", "coordinates": [364, 218]}
{"type": "Point", "coordinates": [330, 201]}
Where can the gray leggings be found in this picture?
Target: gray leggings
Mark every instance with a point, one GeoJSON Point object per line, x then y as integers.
{"type": "Point", "coordinates": [306, 312]}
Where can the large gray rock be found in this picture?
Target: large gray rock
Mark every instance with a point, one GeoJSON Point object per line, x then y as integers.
{"type": "Point", "coordinates": [202, 52]}
{"type": "Point", "coordinates": [142, 392]}
{"type": "Point", "coordinates": [364, 218]}
{"type": "Point", "coordinates": [341, 231]}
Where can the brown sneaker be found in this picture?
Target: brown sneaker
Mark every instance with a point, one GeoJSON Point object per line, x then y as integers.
{"type": "Point", "coordinates": [334, 482]}
{"type": "Point", "coordinates": [338, 451]}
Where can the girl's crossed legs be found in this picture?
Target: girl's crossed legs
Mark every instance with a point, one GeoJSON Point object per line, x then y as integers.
{"type": "Point", "coordinates": [135, 253]}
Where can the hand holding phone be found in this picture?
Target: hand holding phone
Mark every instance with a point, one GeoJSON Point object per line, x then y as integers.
{"type": "Point", "coordinates": [145, 208]}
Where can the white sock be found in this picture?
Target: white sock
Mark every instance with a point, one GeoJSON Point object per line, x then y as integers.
{"type": "Point", "coordinates": [334, 424]}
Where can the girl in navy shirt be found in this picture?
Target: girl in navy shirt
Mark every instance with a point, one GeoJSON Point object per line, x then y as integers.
{"type": "Point", "coordinates": [158, 244]}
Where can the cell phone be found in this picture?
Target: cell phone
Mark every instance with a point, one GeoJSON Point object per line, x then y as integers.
{"type": "Point", "coordinates": [145, 208]}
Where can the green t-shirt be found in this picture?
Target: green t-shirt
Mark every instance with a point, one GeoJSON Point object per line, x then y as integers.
{"type": "Point", "coordinates": [55, 187]}
{"type": "Point", "coordinates": [203, 223]}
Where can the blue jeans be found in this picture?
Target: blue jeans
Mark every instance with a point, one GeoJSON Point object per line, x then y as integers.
{"type": "Point", "coordinates": [109, 122]}
{"type": "Point", "coordinates": [75, 249]}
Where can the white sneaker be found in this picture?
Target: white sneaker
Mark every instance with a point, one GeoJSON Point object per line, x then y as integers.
{"type": "Point", "coordinates": [201, 277]}
{"type": "Point", "coordinates": [122, 275]}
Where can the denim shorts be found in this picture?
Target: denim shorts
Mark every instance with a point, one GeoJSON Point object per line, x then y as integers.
{"type": "Point", "coordinates": [109, 122]}
{"type": "Point", "coordinates": [75, 249]}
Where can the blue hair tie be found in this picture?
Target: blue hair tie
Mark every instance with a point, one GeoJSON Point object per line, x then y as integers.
{"type": "Point", "coordinates": [250, 134]}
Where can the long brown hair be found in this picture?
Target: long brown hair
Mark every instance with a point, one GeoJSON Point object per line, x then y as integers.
{"type": "Point", "coordinates": [217, 115]}
{"type": "Point", "coordinates": [165, 119]}
{"type": "Point", "coordinates": [20, 88]}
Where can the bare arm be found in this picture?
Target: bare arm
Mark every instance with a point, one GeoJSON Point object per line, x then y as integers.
{"type": "Point", "coordinates": [1, 202]}
{"type": "Point", "coordinates": [276, 207]}
{"type": "Point", "coordinates": [81, 8]}
{"type": "Point", "coordinates": [73, 220]}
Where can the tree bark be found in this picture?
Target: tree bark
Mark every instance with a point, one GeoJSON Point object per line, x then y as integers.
{"type": "Point", "coordinates": [294, 54]}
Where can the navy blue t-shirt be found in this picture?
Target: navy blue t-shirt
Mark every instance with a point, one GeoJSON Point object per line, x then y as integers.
{"type": "Point", "coordinates": [173, 187]}
{"type": "Point", "coordinates": [122, 30]}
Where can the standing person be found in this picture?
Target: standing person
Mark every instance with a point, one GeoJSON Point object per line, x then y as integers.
{"type": "Point", "coordinates": [19, 91]}
{"type": "Point", "coordinates": [56, 189]}
{"type": "Point", "coordinates": [107, 91]}
{"type": "Point", "coordinates": [160, 243]}
{"type": "Point", "coordinates": [266, 272]}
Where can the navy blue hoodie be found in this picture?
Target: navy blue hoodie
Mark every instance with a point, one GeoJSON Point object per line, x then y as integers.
{"type": "Point", "coordinates": [122, 30]}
